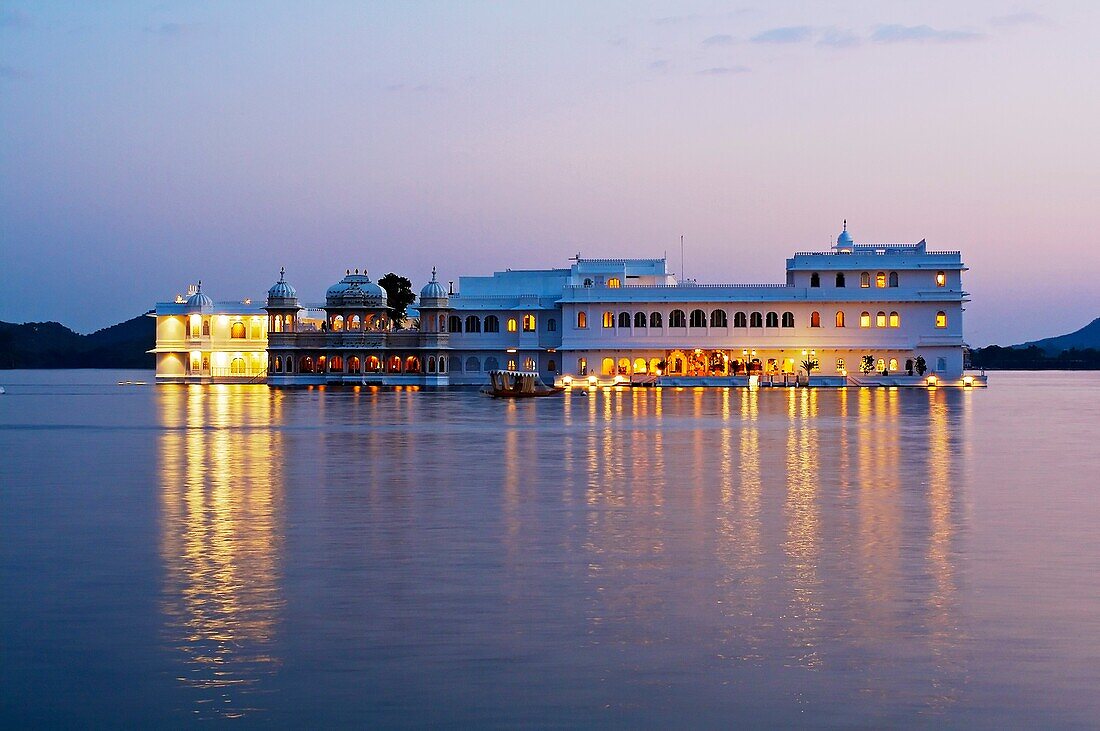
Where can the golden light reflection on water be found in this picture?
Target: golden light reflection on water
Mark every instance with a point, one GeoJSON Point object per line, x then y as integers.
{"type": "Point", "coordinates": [221, 539]}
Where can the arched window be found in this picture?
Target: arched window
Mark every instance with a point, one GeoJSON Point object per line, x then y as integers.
{"type": "Point", "coordinates": [893, 279]}
{"type": "Point", "coordinates": [676, 318]}
{"type": "Point", "coordinates": [473, 365]}
{"type": "Point", "coordinates": [305, 365]}
{"type": "Point", "coordinates": [756, 320]}
{"type": "Point", "coordinates": [865, 280]}
{"type": "Point", "coordinates": [582, 320]}
{"type": "Point", "coordinates": [236, 330]}
{"type": "Point", "coordinates": [492, 324]}
{"type": "Point", "coordinates": [278, 364]}
{"type": "Point", "coordinates": [206, 327]}
{"type": "Point", "coordinates": [336, 364]}
{"type": "Point", "coordinates": [607, 367]}
{"type": "Point", "coordinates": [639, 319]}
{"type": "Point", "coordinates": [788, 319]}
{"type": "Point", "coordinates": [865, 319]}
{"type": "Point", "coordinates": [529, 323]}
{"type": "Point", "coordinates": [941, 319]}
{"type": "Point", "coordinates": [511, 324]}
{"type": "Point", "coordinates": [739, 320]}
{"type": "Point", "coordinates": [771, 319]}
{"type": "Point", "coordinates": [528, 364]}
{"type": "Point", "coordinates": [491, 364]}
{"type": "Point", "coordinates": [354, 364]}
{"type": "Point", "coordinates": [551, 366]}
{"type": "Point", "coordinates": [639, 365]}
{"type": "Point", "coordinates": [338, 323]}
{"type": "Point", "coordinates": [941, 279]}
{"type": "Point", "coordinates": [454, 363]}
{"type": "Point", "coordinates": [624, 366]}
{"type": "Point", "coordinates": [442, 364]}
{"type": "Point", "coordinates": [815, 280]}
{"type": "Point", "coordinates": [815, 319]}
{"type": "Point", "coordinates": [840, 365]}
{"type": "Point", "coordinates": [840, 279]}
{"type": "Point", "coordinates": [895, 319]}
{"type": "Point", "coordinates": [698, 318]}
{"type": "Point", "coordinates": [880, 280]}
{"type": "Point", "coordinates": [289, 321]}
{"type": "Point", "coordinates": [289, 365]}
{"type": "Point", "coordinates": [473, 324]}
{"type": "Point", "coordinates": [587, 282]}
{"type": "Point", "coordinates": [880, 319]}
{"type": "Point", "coordinates": [394, 364]}
{"type": "Point", "coordinates": [718, 319]}
{"type": "Point", "coordinates": [840, 318]}
{"type": "Point", "coordinates": [431, 364]}
{"type": "Point", "coordinates": [412, 364]}
{"type": "Point", "coordinates": [624, 319]}
{"type": "Point", "coordinates": [614, 283]}
{"type": "Point", "coordinates": [609, 319]}
{"type": "Point", "coordinates": [237, 366]}
{"type": "Point", "coordinates": [582, 366]}
{"type": "Point", "coordinates": [551, 325]}
{"type": "Point", "coordinates": [893, 364]}
{"type": "Point", "coordinates": [655, 319]}
{"type": "Point", "coordinates": [454, 324]}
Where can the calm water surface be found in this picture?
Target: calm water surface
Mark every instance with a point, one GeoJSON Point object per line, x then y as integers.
{"type": "Point", "coordinates": [642, 558]}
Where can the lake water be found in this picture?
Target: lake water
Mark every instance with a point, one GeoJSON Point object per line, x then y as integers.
{"type": "Point", "coordinates": [648, 558]}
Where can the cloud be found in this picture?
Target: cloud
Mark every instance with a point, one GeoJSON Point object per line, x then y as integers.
{"type": "Point", "coordinates": [14, 19]}
{"type": "Point", "coordinates": [1015, 19]}
{"type": "Point", "coordinates": [787, 34]}
{"type": "Point", "coordinates": [920, 34]}
{"type": "Point", "coordinates": [838, 38]}
{"type": "Point", "coordinates": [723, 70]}
{"type": "Point", "coordinates": [10, 73]}
{"type": "Point", "coordinates": [718, 40]}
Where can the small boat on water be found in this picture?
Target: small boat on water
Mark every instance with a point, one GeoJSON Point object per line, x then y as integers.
{"type": "Point", "coordinates": [518, 384]}
{"type": "Point", "coordinates": [2, 391]}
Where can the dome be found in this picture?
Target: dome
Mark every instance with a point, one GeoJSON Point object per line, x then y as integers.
{"type": "Point", "coordinates": [355, 290]}
{"type": "Point", "coordinates": [845, 238]}
{"type": "Point", "coordinates": [433, 289]}
{"type": "Point", "coordinates": [198, 299]}
{"type": "Point", "coordinates": [281, 289]}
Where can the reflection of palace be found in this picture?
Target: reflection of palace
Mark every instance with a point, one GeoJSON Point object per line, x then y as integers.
{"type": "Point", "coordinates": [221, 505]}
{"type": "Point", "coordinates": [859, 313]}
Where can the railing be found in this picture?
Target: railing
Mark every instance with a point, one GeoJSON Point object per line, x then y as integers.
{"type": "Point", "coordinates": [229, 372]}
{"type": "Point", "coordinates": [683, 286]}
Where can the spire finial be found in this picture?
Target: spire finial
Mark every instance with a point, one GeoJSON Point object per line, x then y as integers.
{"type": "Point", "coordinates": [845, 224]}
{"type": "Point", "coordinates": [282, 274]}
{"type": "Point", "coordinates": [433, 274]}
{"type": "Point", "coordinates": [199, 289]}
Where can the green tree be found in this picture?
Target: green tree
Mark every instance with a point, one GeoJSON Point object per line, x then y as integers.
{"type": "Point", "coordinates": [920, 365]}
{"type": "Point", "coordinates": [399, 296]}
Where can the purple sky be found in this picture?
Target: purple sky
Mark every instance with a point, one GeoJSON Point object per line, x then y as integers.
{"type": "Point", "coordinates": [145, 146]}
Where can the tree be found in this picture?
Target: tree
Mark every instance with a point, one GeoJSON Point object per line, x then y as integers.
{"type": "Point", "coordinates": [810, 364]}
{"type": "Point", "coordinates": [920, 365]}
{"type": "Point", "coordinates": [867, 363]}
{"type": "Point", "coordinates": [399, 296]}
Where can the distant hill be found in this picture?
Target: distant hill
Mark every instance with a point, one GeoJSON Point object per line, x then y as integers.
{"type": "Point", "coordinates": [1086, 337]}
{"type": "Point", "coordinates": [52, 345]}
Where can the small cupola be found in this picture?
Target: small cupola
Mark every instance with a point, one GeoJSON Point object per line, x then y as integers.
{"type": "Point", "coordinates": [844, 242]}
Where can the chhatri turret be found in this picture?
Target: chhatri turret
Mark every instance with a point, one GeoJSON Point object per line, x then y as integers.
{"type": "Point", "coordinates": [844, 242]}
{"type": "Point", "coordinates": [282, 306]}
{"type": "Point", "coordinates": [434, 305]}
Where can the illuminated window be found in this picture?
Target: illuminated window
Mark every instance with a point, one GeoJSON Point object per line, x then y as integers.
{"type": "Point", "coordinates": [739, 320]}
{"type": "Point", "coordinates": [880, 280]}
{"type": "Point", "coordinates": [609, 319]}
{"type": "Point", "coordinates": [206, 327]}
{"type": "Point", "coordinates": [614, 283]}
{"type": "Point", "coordinates": [771, 319]}
{"type": "Point", "coordinates": [608, 367]}
{"type": "Point", "coordinates": [355, 323]}
{"type": "Point", "coordinates": [840, 279]}
{"type": "Point", "coordinates": [676, 318]}
{"type": "Point", "coordinates": [840, 318]}
{"type": "Point", "coordinates": [528, 323]}
{"type": "Point", "coordinates": [941, 319]}
{"type": "Point", "coordinates": [624, 319]}
{"type": "Point", "coordinates": [840, 367]}
{"type": "Point", "coordinates": [492, 324]}
{"type": "Point", "coordinates": [881, 365]}
{"type": "Point", "coordinates": [718, 318]}
{"type": "Point", "coordinates": [788, 319]}
{"type": "Point", "coordinates": [893, 279]}
{"type": "Point", "coordinates": [639, 319]}
{"type": "Point", "coordinates": [278, 364]}
{"type": "Point", "coordinates": [454, 324]}
{"type": "Point", "coordinates": [698, 318]}
{"type": "Point", "coordinates": [289, 322]}
{"type": "Point", "coordinates": [655, 319]}
{"type": "Point", "coordinates": [582, 366]}
{"type": "Point", "coordinates": [815, 319]}
{"type": "Point", "coordinates": [528, 364]}
{"type": "Point", "coordinates": [880, 320]}
{"type": "Point", "coordinates": [865, 319]}
{"type": "Point", "coordinates": [582, 320]}
{"type": "Point", "coordinates": [893, 364]}
{"type": "Point", "coordinates": [895, 319]}
{"type": "Point", "coordinates": [815, 280]}
{"type": "Point", "coordinates": [865, 280]}
{"type": "Point", "coordinates": [941, 279]}
{"type": "Point", "coordinates": [473, 324]}
{"type": "Point", "coordinates": [237, 330]}
{"type": "Point", "coordinates": [756, 320]}
{"type": "Point", "coordinates": [511, 326]}
{"type": "Point", "coordinates": [355, 365]}
{"type": "Point", "coordinates": [412, 364]}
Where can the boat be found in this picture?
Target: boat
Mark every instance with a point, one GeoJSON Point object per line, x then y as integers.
{"type": "Point", "coordinates": [2, 391]}
{"type": "Point", "coordinates": [518, 384]}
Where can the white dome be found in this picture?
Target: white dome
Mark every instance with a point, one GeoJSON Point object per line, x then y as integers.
{"type": "Point", "coordinates": [355, 290]}
{"type": "Point", "coordinates": [198, 299]}
{"type": "Point", "coordinates": [845, 238]}
{"type": "Point", "coordinates": [433, 289]}
{"type": "Point", "coordinates": [281, 289]}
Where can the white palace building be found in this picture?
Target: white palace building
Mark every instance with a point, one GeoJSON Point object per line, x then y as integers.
{"type": "Point", "coordinates": [858, 314]}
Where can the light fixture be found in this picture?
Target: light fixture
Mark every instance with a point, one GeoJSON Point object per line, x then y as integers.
{"type": "Point", "coordinates": [968, 381]}
{"type": "Point", "coordinates": [511, 350]}
{"type": "Point", "coordinates": [932, 380]}
{"type": "Point", "coordinates": [592, 380]}
{"type": "Point", "coordinates": [567, 381]}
